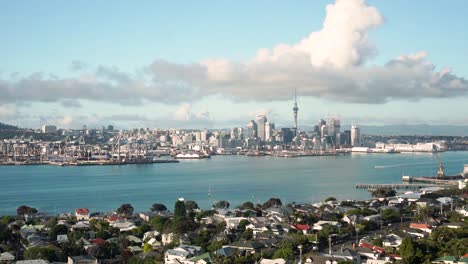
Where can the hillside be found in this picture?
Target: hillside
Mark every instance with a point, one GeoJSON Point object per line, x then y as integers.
{"type": "Point", "coordinates": [7, 127]}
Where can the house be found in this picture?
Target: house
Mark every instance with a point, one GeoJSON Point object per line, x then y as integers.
{"type": "Point", "coordinates": [373, 218]}
{"type": "Point", "coordinates": [83, 259]}
{"type": "Point", "coordinates": [446, 260]}
{"type": "Point", "coordinates": [82, 214]}
{"type": "Point", "coordinates": [32, 261]}
{"type": "Point", "coordinates": [227, 251]}
{"type": "Point", "coordinates": [150, 234]}
{"type": "Point", "coordinates": [319, 224]}
{"type": "Point", "coordinates": [351, 219]}
{"type": "Point", "coordinates": [82, 225]}
{"type": "Point", "coordinates": [202, 259]}
{"type": "Point", "coordinates": [305, 229]}
{"type": "Point", "coordinates": [7, 257]}
{"type": "Point", "coordinates": [133, 239]}
{"type": "Point", "coordinates": [154, 243]}
{"type": "Point", "coordinates": [257, 228]}
{"type": "Point", "coordinates": [62, 238]}
{"type": "Point", "coordinates": [167, 238]}
{"type": "Point", "coordinates": [421, 226]}
{"type": "Point", "coordinates": [123, 225]}
{"type": "Point", "coordinates": [249, 246]}
{"type": "Point", "coordinates": [455, 225]}
{"type": "Point", "coordinates": [391, 240]}
{"type": "Point", "coordinates": [272, 261]}
{"type": "Point", "coordinates": [181, 253]}
{"type": "Point", "coordinates": [135, 249]}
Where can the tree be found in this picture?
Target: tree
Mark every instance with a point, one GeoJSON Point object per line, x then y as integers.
{"type": "Point", "coordinates": [45, 253]}
{"type": "Point", "coordinates": [191, 205]}
{"type": "Point", "coordinates": [158, 223]}
{"type": "Point", "coordinates": [147, 248]}
{"type": "Point", "coordinates": [247, 206]}
{"type": "Point", "coordinates": [180, 211]}
{"type": "Point", "coordinates": [383, 192]}
{"type": "Point", "coordinates": [284, 253]}
{"type": "Point", "coordinates": [390, 215]}
{"type": "Point", "coordinates": [272, 202]}
{"type": "Point", "coordinates": [4, 232]}
{"type": "Point", "coordinates": [125, 209]}
{"type": "Point", "coordinates": [409, 253]}
{"type": "Point", "coordinates": [331, 198]}
{"type": "Point", "coordinates": [222, 205]}
{"type": "Point", "coordinates": [25, 210]}
{"type": "Point", "coordinates": [158, 207]}
{"type": "Point", "coordinates": [57, 230]}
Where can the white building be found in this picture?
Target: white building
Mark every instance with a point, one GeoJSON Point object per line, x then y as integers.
{"type": "Point", "coordinates": [355, 136]}
{"type": "Point", "coordinates": [49, 129]}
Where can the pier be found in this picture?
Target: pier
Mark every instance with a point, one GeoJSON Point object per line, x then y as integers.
{"type": "Point", "coordinates": [395, 186]}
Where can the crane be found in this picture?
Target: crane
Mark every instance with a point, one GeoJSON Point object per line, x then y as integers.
{"type": "Point", "coordinates": [441, 172]}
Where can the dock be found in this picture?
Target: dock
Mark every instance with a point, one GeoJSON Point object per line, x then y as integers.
{"type": "Point", "coordinates": [396, 186]}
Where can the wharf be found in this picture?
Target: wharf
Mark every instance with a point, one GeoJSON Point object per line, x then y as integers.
{"type": "Point", "coordinates": [395, 186]}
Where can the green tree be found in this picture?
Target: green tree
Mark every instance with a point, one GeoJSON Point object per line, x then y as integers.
{"type": "Point", "coordinates": [125, 210]}
{"type": "Point", "coordinates": [45, 253]}
{"type": "Point", "coordinates": [247, 206]}
{"type": "Point", "coordinates": [147, 248]}
{"type": "Point", "coordinates": [383, 192]}
{"type": "Point", "coordinates": [191, 205]}
{"type": "Point", "coordinates": [57, 230]}
{"type": "Point", "coordinates": [331, 198]}
{"type": "Point", "coordinates": [284, 253]}
{"type": "Point", "coordinates": [157, 207]}
{"type": "Point", "coordinates": [222, 205]}
{"type": "Point", "coordinates": [272, 202]}
{"type": "Point", "coordinates": [409, 253]}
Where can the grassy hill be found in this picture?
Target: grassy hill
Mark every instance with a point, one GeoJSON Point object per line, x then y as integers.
{"type": "Point", "coordinates": [7, 127]}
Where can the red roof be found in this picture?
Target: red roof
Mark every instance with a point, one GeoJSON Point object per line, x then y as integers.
{"type": "Point", "coordinates": [82, 211]}
{"type": "Point", "coordinates": [301, 227]}
{"type": "Point", "coordinates": [372, 247]}
{"type": "Point", "coordinates": [395, 256]}
{"type": "Point", "coordinates": [420, 226]}
{"type": "Point", "coordinates": [99, 241]}
{"type": "Point", "coordinates": [114, 218]}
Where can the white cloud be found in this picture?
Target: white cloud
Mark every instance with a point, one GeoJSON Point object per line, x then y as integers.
{"type": "Point", "coordinates": [328, 63]}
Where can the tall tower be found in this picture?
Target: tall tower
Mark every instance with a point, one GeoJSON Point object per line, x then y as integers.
{"type": "Point", "coordinates": [295, 110]}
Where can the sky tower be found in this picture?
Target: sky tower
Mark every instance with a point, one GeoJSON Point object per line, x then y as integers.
{"type": "Point", "coordinates": [295, 109]}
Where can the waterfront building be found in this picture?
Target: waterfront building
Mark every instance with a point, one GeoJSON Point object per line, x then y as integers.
{"type": "Point", "coordinates": [261, 121]}
{"type": "Point", "coordinates": [355, 136]}
{"type": "Point", "coordinates": [334, 127]}
{"type": "Point", "coordinates": [346, 138]}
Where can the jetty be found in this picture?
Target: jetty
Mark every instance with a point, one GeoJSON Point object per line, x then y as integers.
{"type": "Point", "coordinates": [395, 186]}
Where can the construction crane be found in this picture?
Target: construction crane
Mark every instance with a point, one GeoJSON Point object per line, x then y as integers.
{"type": "Point", "coordinates": [441, 172]}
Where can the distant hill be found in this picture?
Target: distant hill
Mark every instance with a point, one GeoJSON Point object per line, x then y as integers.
{"type": "Point", "coordinates": [7, 127]}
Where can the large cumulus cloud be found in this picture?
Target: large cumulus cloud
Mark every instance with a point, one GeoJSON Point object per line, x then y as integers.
{"type": "Point", "coordinates": [329, 63]}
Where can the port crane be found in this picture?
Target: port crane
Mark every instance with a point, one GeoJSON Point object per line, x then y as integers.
{"type": "Point", "coordinates": [441, 172]}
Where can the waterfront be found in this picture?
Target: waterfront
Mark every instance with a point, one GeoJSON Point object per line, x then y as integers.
{"type": "Point", "coordinates": [233, 178]}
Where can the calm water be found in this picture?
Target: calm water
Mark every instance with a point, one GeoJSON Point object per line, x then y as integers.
{"type": "Point", "coordinates": [233, 178]}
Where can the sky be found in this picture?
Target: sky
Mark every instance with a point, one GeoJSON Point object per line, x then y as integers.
{"type": "Point", "coordinates": [214, 64]}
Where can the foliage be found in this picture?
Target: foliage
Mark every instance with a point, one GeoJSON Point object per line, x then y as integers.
{"type": "Point", "coordinates": [284, 253]}
{"type": "Point", "coordinates": [159, 222]}
{"type": "Point", "coordinates": [125, 210]}
{"type": "Point", "coordinates": [45, 253]}
{"type": "Point", "coordinates": [272, 202]}
{"type": "Point", "coordinates": [383, 192]}
{"type": "Point", "coordinates": [191, 205]}
{"type": "Point", "coordinates": [147, 248]}
{"type": "Point", "coordinates": [57, 230]}
{"type": "Point", "coordinates": [331, 198]}
{"type": "Point", "coordinates": [5, 233]}
{"type": "Point", "coordinates": [409, 252]}
{"type": "Point", "coordinates": [247, 206]}
{"type": "Point", "coordinates": [26, 210]}
{"type": "Point", "coordinates": [389, 215]}
{"type": "Point", "coordinates": [158, 207]}
{"type": "Point", "coordinates": [222, 205]}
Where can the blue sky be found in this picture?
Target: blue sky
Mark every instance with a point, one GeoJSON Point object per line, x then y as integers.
{"type": "Point", "coordinates": [47, 36]}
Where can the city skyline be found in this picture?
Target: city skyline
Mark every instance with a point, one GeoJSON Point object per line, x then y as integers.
{"type": "Point", "coordinates": [187, 72]}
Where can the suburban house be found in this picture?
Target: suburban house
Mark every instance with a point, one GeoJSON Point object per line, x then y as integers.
{"type": "Point", "coordinates": [82, 214]}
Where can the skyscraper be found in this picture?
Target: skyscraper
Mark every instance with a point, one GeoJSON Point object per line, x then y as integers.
{"type": "Point", "coordinates": [295, 110]}
{"type": "Point", "coordinates": [261, 121]}
{"type": "Point", "coordinates": [251, 131]}
{"type": "Point", "coordinates": [269, 130]}
{"type": "Point", "coordinates": [355, 136]}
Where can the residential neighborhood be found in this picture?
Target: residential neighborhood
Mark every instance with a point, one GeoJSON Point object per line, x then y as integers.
{"type": "Point", "coordinates": [427, 226]}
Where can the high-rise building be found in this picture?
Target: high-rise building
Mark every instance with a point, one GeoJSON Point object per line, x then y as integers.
{"type": "Point", "coordinates": [355, 136]}
{"type": "Point", "coordinates": [269, 127]}
{"type": "Point", "coordinates": [251, 130]}
{"type": "Point", "coordinates": [346, 138]}
{"type": "Point", "coordinates": [334, 128]}
{"type": "Point", "coordinates": [49, 129]}
{"type": "Point", "coordinates": [261, 121]}
{"type": "Point", "coordinates": [286, 135]}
